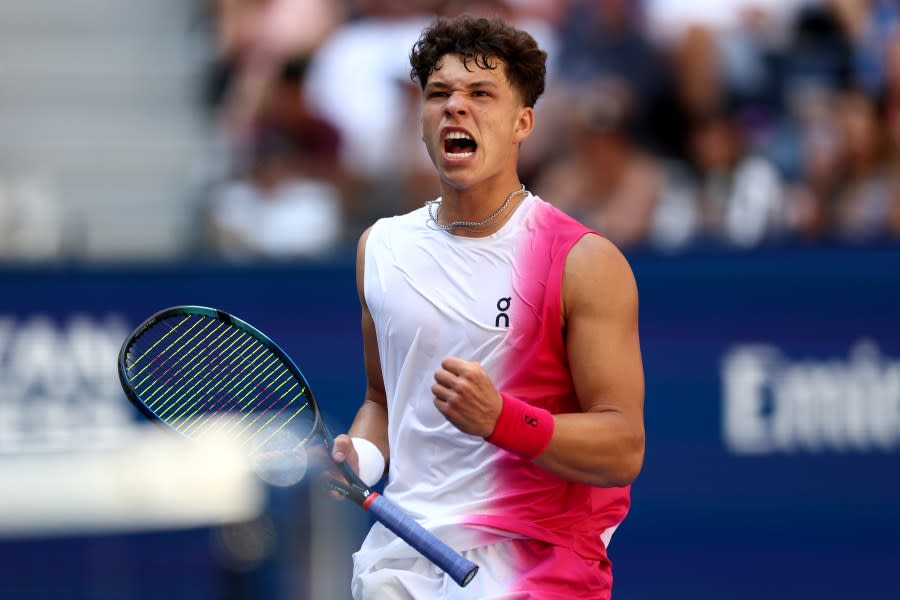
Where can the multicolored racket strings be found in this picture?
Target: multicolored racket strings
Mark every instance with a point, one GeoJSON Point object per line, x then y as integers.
{"type": "Point", "coordinates": [204, 372]}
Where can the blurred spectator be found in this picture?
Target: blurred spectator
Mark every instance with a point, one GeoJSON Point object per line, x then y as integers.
{"type": "Point", "coordinates": [819, 154]}
{"type": "Point", "coordinates": [605, 179]}
{"type": "Point", "coordinates": [696, 87]}
{"type": "Point", "coordinates": [602, 45]}
{"type": "Point", "coordinates": [284, 109]}
{"type": "Point", "coordinates": [848, 190]}
{"type": "Point", "coordinates": [868, 25]}
{"type": "Point", "coordinates": [254, 40]}
{"type": "Point", "coordinates": [276, 210]}
{"type": "Point", "coordinates": [353, 80]}
{"type": "Point", "coordinates": [819, 53]}
{"type": "Point", "coordinates": [738, 195]}
{"type": "Point", "coordinates": [867, 193]}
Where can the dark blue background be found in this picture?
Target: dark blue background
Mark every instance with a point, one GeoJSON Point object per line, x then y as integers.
{"type": "Point", "coordinates": [705, 523]}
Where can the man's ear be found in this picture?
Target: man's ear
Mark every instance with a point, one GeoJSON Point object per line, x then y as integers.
{"type": "Point", "coordinates": [524, 125]}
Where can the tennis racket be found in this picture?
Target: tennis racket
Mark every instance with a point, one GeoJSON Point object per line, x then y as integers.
{"type": "Point", "coordinates": [202, 372]}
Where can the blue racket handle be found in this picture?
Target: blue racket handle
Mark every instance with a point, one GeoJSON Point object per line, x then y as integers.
{"type": "Point", "coordinates": [451, 562]}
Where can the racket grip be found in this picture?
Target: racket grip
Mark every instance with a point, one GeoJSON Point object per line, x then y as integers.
{"type": "Point", "coordinates": [459, 568]}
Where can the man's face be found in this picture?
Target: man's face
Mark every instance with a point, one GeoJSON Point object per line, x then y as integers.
{"type": "Point", "coordinates": [472, 122]}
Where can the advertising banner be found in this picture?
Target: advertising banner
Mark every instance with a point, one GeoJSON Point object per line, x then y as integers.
{"type": "Point", "coordinates": [772, 402]}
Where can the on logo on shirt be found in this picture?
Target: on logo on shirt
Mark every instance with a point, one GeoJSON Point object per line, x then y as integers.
{"type": "Point", "coordinates": [503, 306]}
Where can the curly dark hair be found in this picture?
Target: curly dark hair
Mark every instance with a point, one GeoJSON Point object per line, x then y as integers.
{"type": "Point", "coordinates": [483, 41]}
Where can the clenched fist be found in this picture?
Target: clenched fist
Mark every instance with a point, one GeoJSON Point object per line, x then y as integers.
{"type": "Point", "coordinates": [466, 396]}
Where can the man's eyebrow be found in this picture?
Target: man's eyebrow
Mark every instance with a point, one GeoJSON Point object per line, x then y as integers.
{"type": "Point", "coordinates": [475, 84]}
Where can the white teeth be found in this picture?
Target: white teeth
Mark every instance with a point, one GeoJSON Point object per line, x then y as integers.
{"type": "Point", "coordinates": [459, 155]}
{"type": "Point", "coordinates": [458, 135]}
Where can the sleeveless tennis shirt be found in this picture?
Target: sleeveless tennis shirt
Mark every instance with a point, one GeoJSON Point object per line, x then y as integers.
{"type": "Point", "coordinates": [494, 300]}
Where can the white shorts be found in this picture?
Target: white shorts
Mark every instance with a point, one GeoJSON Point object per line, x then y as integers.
{"type": "Point", "coordinates": [508, 569]}
{"type": "Point", "coordinates": [418, 578]}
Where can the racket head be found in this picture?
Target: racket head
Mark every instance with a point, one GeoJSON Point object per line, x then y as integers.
{"type": "Point", "coordinates": [201, 371]}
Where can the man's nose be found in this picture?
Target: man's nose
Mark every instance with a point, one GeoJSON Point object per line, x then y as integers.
{"type": "Point", "coordinates": [455, 105]}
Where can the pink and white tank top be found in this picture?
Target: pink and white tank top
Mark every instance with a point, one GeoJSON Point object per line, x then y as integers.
{"type": "Point", "coordinates": [495, 300]}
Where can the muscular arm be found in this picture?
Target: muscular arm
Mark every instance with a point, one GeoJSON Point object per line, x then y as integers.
{"type": "Point", "coordinates": [604, 444]}
{"type": "Point", "coordinates": [371, 419]}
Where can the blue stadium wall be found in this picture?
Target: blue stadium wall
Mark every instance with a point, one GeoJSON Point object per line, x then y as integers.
{"type": "Point", "coordinates": [772, 411]}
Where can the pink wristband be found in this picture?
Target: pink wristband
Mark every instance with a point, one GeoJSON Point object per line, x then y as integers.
{"type": "Point", "coordinates": [522, 429]}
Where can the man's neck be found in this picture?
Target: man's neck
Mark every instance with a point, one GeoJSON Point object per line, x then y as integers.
{"type": "Point", "coordinates": [478, 212]}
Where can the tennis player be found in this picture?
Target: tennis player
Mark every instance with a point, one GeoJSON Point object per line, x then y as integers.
{"type": "Point", "coordinates": [505, 381]}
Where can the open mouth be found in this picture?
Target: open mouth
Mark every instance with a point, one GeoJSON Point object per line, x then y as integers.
{"type": "Point", "coordinates": [458, 145]}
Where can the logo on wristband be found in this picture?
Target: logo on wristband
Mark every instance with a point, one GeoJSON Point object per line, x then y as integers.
{"type": "Point", "coordinates": [522, 428]}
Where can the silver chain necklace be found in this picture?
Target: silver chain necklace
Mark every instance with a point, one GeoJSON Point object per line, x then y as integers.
{"type": "Point", "coordinates": [472, 225]}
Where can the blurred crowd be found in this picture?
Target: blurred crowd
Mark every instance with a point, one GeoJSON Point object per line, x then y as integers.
{"type": "Point", "coordinates": [666, 124]}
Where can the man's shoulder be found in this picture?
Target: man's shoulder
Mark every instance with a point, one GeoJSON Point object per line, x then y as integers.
{"type": "Point", "coordinates": [550, 217]}
{"type": "Point", "coordinates": [412, 220]}
{"type": "Point", "coordinates": [596, 249]}
{"type": "Point", "coordinates": [396, 227]}
{"type": "Point", "coordinates": [595, 263]}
